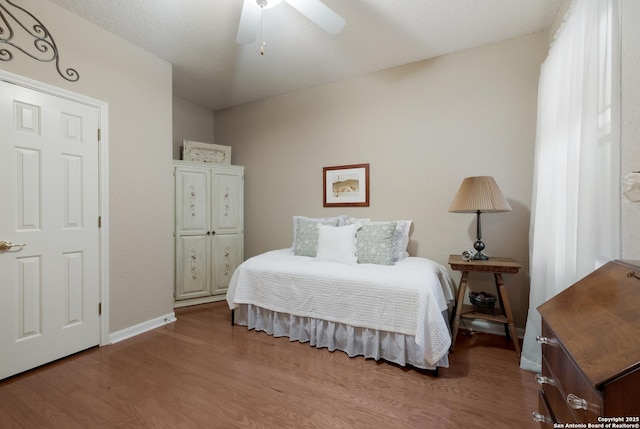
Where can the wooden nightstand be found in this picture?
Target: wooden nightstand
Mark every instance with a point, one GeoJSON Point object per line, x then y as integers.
{"type": "Point", "coordinates": [494, 265]}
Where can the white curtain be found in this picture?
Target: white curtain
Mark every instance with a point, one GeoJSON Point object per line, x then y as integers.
{"type": "Point", "coordinates": [575, 225]}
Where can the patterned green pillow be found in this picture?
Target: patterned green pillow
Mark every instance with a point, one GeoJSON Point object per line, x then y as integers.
{"type": "Point", "coordinates": [306, 243]}
{"type": "Point", "coordinates": [374, 243]}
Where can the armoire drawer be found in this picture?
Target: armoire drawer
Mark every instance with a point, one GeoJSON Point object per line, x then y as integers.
{"type": "Point", "coordinates": [581, 399]}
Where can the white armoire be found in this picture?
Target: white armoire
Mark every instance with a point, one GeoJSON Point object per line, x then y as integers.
{"type": "Point", "coordinates": [209, 229]}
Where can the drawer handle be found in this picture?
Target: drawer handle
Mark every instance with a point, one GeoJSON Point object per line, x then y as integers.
{"type": "Point", "coordinates": [576, 402]}
{"type": "Point", "coordinates": [541, 379]}
{"type": "Point", "coordinates": [537, 417]}
{"type": "Point", "coordinates": [546, 340]}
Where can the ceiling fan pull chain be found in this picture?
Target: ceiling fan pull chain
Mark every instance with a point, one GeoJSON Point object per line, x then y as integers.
{"type": "Point", "coordinates": [264, 42]}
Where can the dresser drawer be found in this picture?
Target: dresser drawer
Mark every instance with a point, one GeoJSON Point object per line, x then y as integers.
{"type": "Point", "coordinates": [555, 398]}
{"type": "Point", "coordinates": [582, 401]}
{"type": "Point", "coordinates": [544, 416]}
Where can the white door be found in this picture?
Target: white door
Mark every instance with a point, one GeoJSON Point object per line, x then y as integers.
{"type": "Point", "coordinates": [49, 288]}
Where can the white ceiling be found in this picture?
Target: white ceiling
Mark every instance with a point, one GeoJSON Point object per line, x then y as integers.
{"type": "Point", "coordinates": [210, 69]}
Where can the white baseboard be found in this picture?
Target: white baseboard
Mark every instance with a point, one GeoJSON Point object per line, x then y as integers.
{"type": "Point", "coordinates": [140, 328]}
{"type": "Point", "coordinates": [487, 327]}
{"type": "Point", "coordinates": [197, 301]}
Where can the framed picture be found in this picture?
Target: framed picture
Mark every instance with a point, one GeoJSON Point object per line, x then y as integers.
{"type": "Point", "coordinates": [206, 152]}
{"type": "Point", "coordinates": [346, 186]}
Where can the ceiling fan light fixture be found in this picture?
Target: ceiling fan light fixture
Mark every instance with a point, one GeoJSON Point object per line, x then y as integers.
{"type": "Point", "coordinates": [268, 4]}
{"type": "Point", "coordinates": [251, 17]}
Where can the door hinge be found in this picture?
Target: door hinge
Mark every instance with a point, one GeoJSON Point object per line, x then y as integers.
{"type": "Point", "coordinates": [99, 135]}
{"type": "Point", "coordinates": [99, 309]}
{"type": "Point", "coordinates": [99, 221]}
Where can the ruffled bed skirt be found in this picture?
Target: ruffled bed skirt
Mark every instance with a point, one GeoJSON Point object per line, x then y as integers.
{"type": "Point", "coordinates": [390, 346]}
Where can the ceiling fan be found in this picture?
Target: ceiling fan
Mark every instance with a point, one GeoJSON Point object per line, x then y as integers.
{"type": "Point", "coordinates": [315, 10]}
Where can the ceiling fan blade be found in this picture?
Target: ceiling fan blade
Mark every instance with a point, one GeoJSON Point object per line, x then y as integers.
{"type": "Point", "coordinates": [320, 14]}
{"type": "Point", "coordinates": [249, 22]}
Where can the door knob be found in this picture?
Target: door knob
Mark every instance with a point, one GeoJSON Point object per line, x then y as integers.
{"type": "Point", "coordinates": [6, 245]}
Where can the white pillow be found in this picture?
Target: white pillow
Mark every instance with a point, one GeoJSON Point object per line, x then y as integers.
{"type": "Point", "coordinates": [337, 243]}
{"type": "Point", "coordinates": [334, 220]}
{"type": "Point", "coordinates": [401, 240]}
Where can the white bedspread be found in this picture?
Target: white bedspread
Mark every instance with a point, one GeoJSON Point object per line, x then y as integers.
{"type": "Point", "coordinates": [408, 297]}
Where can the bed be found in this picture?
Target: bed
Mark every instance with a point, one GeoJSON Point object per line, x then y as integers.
{"type": "Point", "coordinates": [395, 311]}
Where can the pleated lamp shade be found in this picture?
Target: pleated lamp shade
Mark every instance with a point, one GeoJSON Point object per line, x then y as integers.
{"type": "Point", "coordinates": [479, 193]}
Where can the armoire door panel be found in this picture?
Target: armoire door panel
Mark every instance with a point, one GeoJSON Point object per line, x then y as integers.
{"type": "Point", "coordinates": [193, 267]}
{"type": "Point", "coordinates": [227, 255]}
{"type": "Point", "coordinates": [227, 202]}
{"type": "Point", "coordinates": [192, 210]}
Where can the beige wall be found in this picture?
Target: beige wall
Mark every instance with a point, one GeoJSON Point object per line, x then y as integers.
{"type": "Point", "coordinates": [630, 123]}
{"type": "Point", "coordinates": [190, 122]}
{"type": "Point", "coordinates": [137, 86]}
{"type": "Point", "coordinates": [422, 127]}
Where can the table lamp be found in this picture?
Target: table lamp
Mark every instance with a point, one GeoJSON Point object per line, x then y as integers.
{"type": "Point", "coordinates": [479, 194]}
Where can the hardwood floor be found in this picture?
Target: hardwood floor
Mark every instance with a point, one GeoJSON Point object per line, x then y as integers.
{"type": "Point", "coordinates": [200, 372]}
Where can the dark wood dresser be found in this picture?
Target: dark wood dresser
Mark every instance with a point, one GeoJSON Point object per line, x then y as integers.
{"type": "Point", "coordinates": [591, 349]}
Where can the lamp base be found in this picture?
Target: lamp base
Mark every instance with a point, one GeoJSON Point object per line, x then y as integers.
{"type": "Point", "coordinates": [479, 256]}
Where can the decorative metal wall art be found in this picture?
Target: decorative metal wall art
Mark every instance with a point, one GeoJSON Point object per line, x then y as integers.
{"type": "Point", "coordinates": [19, 28]}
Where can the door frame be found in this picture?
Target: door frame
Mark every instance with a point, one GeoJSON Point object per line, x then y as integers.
{"type": "Point", "coordinates": [103, 182]}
